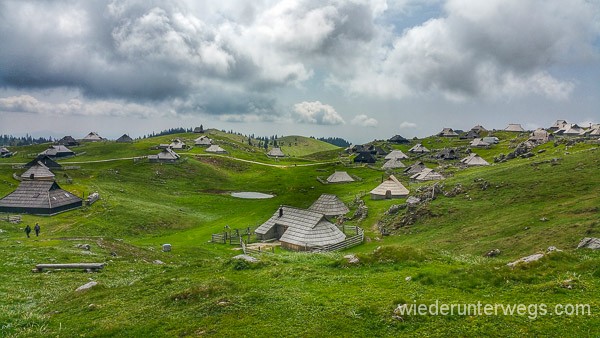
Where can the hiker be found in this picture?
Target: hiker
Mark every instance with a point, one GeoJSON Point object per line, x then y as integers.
{"type": "Point", "coordinates": [37, 229]}
{"type": "Point", "coordinates": [27, 230]}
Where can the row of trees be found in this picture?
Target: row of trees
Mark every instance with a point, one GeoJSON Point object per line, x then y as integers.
{"type": "Point", "coordinates": [9, 140]}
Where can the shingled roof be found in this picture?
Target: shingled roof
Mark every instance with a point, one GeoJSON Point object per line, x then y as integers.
{"type": "Point", "coordinates": [67, 141]}
{"type": "Point", "coordinates": [339, 177]}
{"type": "Point", "coordinates": [46, 161]}
{"type": "Point", "coordinates": [329, 205]}
{"type": "Point", "coordinates": [364, 157]}
{"type": "Point", "coordinates": [92, 137]}
{"type": "Point", "coordinates": [40, 198]}
{"type": "Point", "coordinates": [215, 149]}
{"type": "Point", "coordinates": [299, 229]}
{"type": "Point", "coordinates": [427, 175]}
{"type": "Point", "coordinates": [203, 141]}
{"type": "Point", "coordinates": [57, 151]}
{"type": "Point", "coordinates": [396, 154]}
{"type": "Point", "coordinates": [276, 152]}
{"type": "Point", "coordinates": [390, 188]}
{"type": "Point", "coordinates": [479, 143]}
{"type": "Point", "coordinates": [166, 155]}
{"type": "Point", "coordinates": [398, 139]}
{"type": "Point", "coordinates": [415, 168]}
{"type": "Point", "coordinates": [125, 139]}
{"type": "Point", "coordinates": [394, 163]}
{"type": "Point", "coordinates": [447, 132]}
{"type": "Point", "coordinates": [514, 127]}
{"type": "Point", "coordinates": [473, 160]}
{"type": "Point", "coordinates": [38, 171]}
{"type": "Point", "coordinates": [419, 149]}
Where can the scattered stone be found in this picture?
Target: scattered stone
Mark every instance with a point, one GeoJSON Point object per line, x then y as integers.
{"type": "Point", "coordinates": [1, 231]}
{"type": "Point", "coordinates": [86, 247]}
{"type": "Point", "coordinates": [158, 262]}
{"type": "Point", "coordinates": [92, 306]}
{"type": "Point", "coordinates": [525, 260]}
{"type": "Point", "coordinates": [395, 208]}
{"type": "Point", "coordinates": [527, 155]}
{"type": "Point", "coordinates": [246, 258]}
{"type": "Point", "coordinates": [553, 249]}
{"type": "Point", "coordinates": [166, 247]}
{"type": "Point", "coordinates": [458, 189]}
{"type": "Point", "coordinates": [114, 254]}
{"type": "Point", "coordinates": [567, 284]}
{"type": "Point", "coordinates": [493, 253]}
{"type": "Point", "coordinates": [408, 279]}
{"type": "Point", "coordinates": [526, 228]}
{"type": "Point", "coordinates": [541, 151]}
{"type": "Point", "coordinates": [223, 303]}
{"type": "Point", "coordinates": [352, 259]}
{"type": "Point", "coordinates": [590, 243]}
{"type": "Point", "coordinates": [86, 286]}
{"type": "Point", "coordinates": [412, 200]}
{"type": "Point", "coordinates": [544, 219]}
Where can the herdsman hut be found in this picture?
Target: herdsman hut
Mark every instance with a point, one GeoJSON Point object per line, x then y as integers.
{"type": "Point", "coordinates": [447, 132]}
{"type": "Point", "coordinates": [276, 153]}
{"type": "Point", "coordinates": [165, 156]}
{"type": "Point", "coordinates": [394, 163]}
{"type": "Point", "coordinates": [329, 205]}
{"type": "Point", "coordinates": [427, 175]}
{"type": "Point", "coordinates": [57, 151]}
{"type": "Point", "coordinates": [418, 149]}
{"type": "Point", "coordinates": [215, 149]}
{"type": "Point", "coordinates": [396, 154]}
{"type": "Point", "coordinates": [5, 152]}
{"type": "Point", "coordinates": [299, 230]}
{"type": "Point", "coordinates": [92, 137]}
{"type": "Point", "coordinates": [203, 141]}
{"type": "Point", "coordinates": [390, 188]}
{"type": "Point", "coordinates": [38, 172]}
{"type": "Point", "coordinates": [46, 161]}
{"type": "Point", "coordinates": [514, 127]}
{"type": "Point", "coordinates": [339, 177]}
{"type": "Point", "coordinates": [415, 168]}
{"type": "Point", "coordinates": [125, 139]}
{"type": "Point", "coordinates": [474, 160]}
{"type": "Point", "coordinates": [398, 139]}
{"type": "Point", "coordinates": [39, 198]}
{"type": "Point", "coordinates": [364, 157]}
{"type": "Point", "coordinates": [67, 141]}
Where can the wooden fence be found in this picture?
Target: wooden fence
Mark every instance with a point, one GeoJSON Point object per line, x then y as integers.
{"type": "Point", "coordinates": [356, 239]}
{"type": "Point", "coordinates": [232, 236]}
{"type": "Point", "coordinates": [251, 251]}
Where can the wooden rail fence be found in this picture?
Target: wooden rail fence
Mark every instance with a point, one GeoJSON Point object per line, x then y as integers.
{"type": "Point", "coordinates": [354, 240]}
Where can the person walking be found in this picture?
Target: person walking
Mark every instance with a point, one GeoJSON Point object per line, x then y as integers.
{"type": "Point", "coordinates": [37, 229]}
{"type": "Point", "coordinates": [27, 230]}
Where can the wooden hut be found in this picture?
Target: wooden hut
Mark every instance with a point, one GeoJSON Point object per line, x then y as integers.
{"type": "Point", "coordinates": [447, 132]}
{"type": "Point", "coordinates": [474, 160]}
{"type": "Point", "coordinates": [165, 156]}
{"type": "Point", "coordinates": [418, 149]}
{"type": "Point", "coordinates": [364, 157]}
{"type": "Point", "coordinates": [299, 230]}
{"type": "Point", "coordinates": [46, 161]}
{"type": "Point", "coordinates": [68, 141]}
{"type": "Point", "coordinates": [329, 205]}
{"type": "Point", "coordinates": [39, 198]}
{"type": "Point", "coordinates": [394, 163]}
{"type": "Point", "coordinates": [339, 177]}
{"type": "Point", "coordinates": [396, 154]}
{"type": "Point", "coordinates": [57, 151]}
{"type": "Point", "coordinates": [125, 139]}
{"type": "Point", "coordinates": [390, 188]}
{"type": "Point", "coordinates": [215, 149]}
{"type": "Point", "coordinates": [203, 141]}
{"type": "Point", "coordinates": [38, 172]}
{"type": "Point", "coordinates": [479, 143]}
{"type": "Point", "coordinates": [92, 137]}
{"type": "Point", "coordinates": [276, 153]}
{"type": "Point", "coordinates": [427, 175]}
{"type": "Point", "coordinates": [398, 139]}
{"type": "Point", "coordinates": [415, 168]}
{"type": "Point", "coordinates": [514, 127]}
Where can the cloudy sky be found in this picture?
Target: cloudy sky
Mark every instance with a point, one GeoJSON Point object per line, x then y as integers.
{"type": "Point", "coordinates": [354, 69]}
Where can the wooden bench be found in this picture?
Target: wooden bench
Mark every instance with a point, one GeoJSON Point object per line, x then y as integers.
{"type": "Point", "coordinates": [88, 267]}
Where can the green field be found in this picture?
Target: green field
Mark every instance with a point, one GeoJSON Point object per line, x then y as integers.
{"type": "Point", "coordinates": [521, 207]}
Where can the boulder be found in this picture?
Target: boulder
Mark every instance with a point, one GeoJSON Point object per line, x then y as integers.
{"type": "Point", "coordinates": [246, 258]}
{"type": "Point", "coordinates": [86, 247]}
{"type": "Point", "coordinates": [158, 262]}
{"type": "Point", "coordinates": [352, 259]}
{"type": "Point", "coordinates": [493, 253]}
{"type": "Point", "coordinates": [553, 249]}
{"type": "Point", "coordinates": [525, 260]}
{"type": "Point", "coordinates": [86, 286]}
{"type": "Point", "coordinates": [590, 243]}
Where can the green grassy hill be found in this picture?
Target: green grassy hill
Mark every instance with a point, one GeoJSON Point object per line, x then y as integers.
{"type": "Point", "coordinates": [521, 207]}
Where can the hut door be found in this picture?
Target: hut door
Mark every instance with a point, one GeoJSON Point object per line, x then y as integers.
{"type": "Point", "coordinates": [388, 194]}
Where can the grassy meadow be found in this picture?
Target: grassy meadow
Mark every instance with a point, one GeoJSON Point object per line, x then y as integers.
{"type": "Point", "coordinates": [520, 207]}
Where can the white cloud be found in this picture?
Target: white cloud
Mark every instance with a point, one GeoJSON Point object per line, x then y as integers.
{"type": "Point", "coordinates": [364, 120]}
{"type": "Point", "coordinates": [316, 113]}
{"type": "Point", "coordinates": [31, 105]}
{"type": "Point", "coordinates": [407, 125]}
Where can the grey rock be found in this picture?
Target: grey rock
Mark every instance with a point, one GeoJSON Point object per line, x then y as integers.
{"type": "Point", "coordinates": [352, 259]}
{"type": "Point", "coordinates": [87, 286]}
{"type": "Point", "coordinates": [86, 247]}
{"type": "Point", "coordinates": [525, 260]}
{"type": "Point", "coordinates": [246, 258]}
{"type": "Point", "coordinates": [493, 253]}
{"type": "Point", "coordinates": [590, 243]}
{"type": "Point", "coordinates": [158, 262]}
